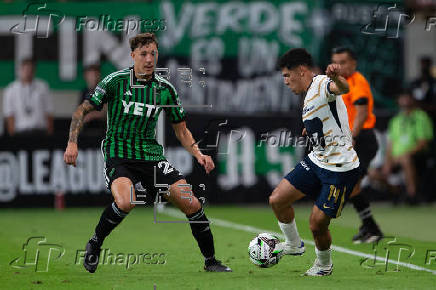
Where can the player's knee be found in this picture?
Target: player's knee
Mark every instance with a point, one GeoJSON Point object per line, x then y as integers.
{"type": "Point", "coordinates": [124, 193]}
{"type": "Point", "coordinates": [317, 227]}
{"type": "Point", "coordinates": [274, 200]}
{"type": "Point", "coordinates": [125, 205]}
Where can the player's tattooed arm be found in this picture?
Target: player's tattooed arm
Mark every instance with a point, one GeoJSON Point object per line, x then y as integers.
{"type": "Point", "coordinates": [339, 85]}
{"type": "Point", "coordinates": [185, 137]}
{"type": "Point", "coordinates": [77, 120]}
{"type": "Point", "coordinates": [71, 152]}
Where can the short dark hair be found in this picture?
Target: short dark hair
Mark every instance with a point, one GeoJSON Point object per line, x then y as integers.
{"type": "Point", "coordinates": [295, 57]}
{"type": "Point", "coordinates": [142, 39]}
{"type": "Point", "coordinates": [28, 60]}
{"type": "Point", "coordinates": [345, 49]}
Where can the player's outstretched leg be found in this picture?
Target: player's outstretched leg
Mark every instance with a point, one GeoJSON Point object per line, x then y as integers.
{"type": "Point", "coordinates": [319, 225]}
{"type": "Point", "coordinates": [281, 200]}
{"type": "Point", "coordinates": [110, 218]}
{"type": "Point", "coordinates": [184, 199]}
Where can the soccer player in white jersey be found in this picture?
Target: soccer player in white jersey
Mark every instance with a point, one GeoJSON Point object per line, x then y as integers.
{"type": "Point", "coordinates": [329, 173]}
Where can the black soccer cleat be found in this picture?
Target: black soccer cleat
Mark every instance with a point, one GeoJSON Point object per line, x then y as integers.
{"type": "Point", "coordinates": [372, 236]}
{"type": "Point", "coordinates": [367, 235]}
{"type": "Point", "coordinates": [357, 238]}
{"type": "Point", "coordinates": [214, 265]}
{"type": "Point", "coordinates": [92, 255]}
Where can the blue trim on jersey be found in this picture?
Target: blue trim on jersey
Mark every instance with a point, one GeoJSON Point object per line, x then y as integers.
{"type": "Point", "coordinates": [334, 111]}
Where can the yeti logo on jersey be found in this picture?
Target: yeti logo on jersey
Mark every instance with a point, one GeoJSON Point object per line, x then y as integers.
{"type": "Point", "coordinates": [138, 108]}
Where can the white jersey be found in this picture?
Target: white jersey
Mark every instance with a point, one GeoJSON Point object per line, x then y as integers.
{"type": "Point", "coordinates": [28, 103]}
{"type": "Point", "coordinates": [326, 122]}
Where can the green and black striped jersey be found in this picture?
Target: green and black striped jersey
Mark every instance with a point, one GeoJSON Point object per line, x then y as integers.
{"type": "Point", "coordinates": [133, 110]}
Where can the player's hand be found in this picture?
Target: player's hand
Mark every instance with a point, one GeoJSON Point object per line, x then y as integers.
{"type": "Point", "coordinates": [304, 132]}
{"type": "Point", "coordinates": [207, 162]}
{"type": "Point", "coordinates": [70, 155]}
{"type": "Point", "coordinates": [333, 70]}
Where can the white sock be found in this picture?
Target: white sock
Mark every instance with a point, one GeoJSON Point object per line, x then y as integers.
{"type": "Point", "coordinates": [291, 233]}
{"type": "Point", "coordinates": [324, 257]}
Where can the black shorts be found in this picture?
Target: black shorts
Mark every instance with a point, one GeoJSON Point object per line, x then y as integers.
{"type": "Point", "coordinates": [147, 176]}
{"type": "Point", "coordinates": [366, 148]}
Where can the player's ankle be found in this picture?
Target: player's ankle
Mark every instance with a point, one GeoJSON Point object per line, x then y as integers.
{"type": "Point", "coordinates": [210, 260]}
{"type": "Point", "coordinates": [96, 241]}
{"type": "Point", "coordinates": [293, 244]}
{"type": "Point", "coordinates": [290, 232]}
{"type": "Point", "coordinates": [323, 257]}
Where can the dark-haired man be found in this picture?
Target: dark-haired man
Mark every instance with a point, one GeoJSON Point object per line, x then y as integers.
{"type": "Point", "coordinates": [360, 103]}
{"type": "Point", "coordinates": [132, 153]}
{"type": "Point", "coordinates": [330, 171]}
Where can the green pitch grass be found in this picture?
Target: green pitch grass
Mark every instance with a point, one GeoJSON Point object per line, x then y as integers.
{"type": "Point", "coordinates": [180, 266]}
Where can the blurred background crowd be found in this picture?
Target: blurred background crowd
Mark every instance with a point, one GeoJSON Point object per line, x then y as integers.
{"type": "Point", "coordinates": [222, 54]}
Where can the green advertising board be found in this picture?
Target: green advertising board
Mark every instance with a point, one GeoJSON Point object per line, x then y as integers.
{"type": "Point", "coordinates": [233, 45]}
{"type": "Point", "coordinates": [84, 32]}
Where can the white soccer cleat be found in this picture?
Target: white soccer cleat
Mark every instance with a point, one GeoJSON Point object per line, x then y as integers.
{"type": "Point", "coordinates": [319, 270]}
{"type": "Point", "coordinates": [287, 249]}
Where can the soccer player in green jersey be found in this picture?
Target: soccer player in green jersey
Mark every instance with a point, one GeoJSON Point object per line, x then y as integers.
{"type": "Point", "coordinates": [135, 96]}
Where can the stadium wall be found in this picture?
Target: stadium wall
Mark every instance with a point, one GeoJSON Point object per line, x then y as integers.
{"type": "Point", "coordinates": [231, 65]}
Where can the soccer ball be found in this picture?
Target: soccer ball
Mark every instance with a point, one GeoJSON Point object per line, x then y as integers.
{"type": "Point", "coordinates": [262, 250]}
